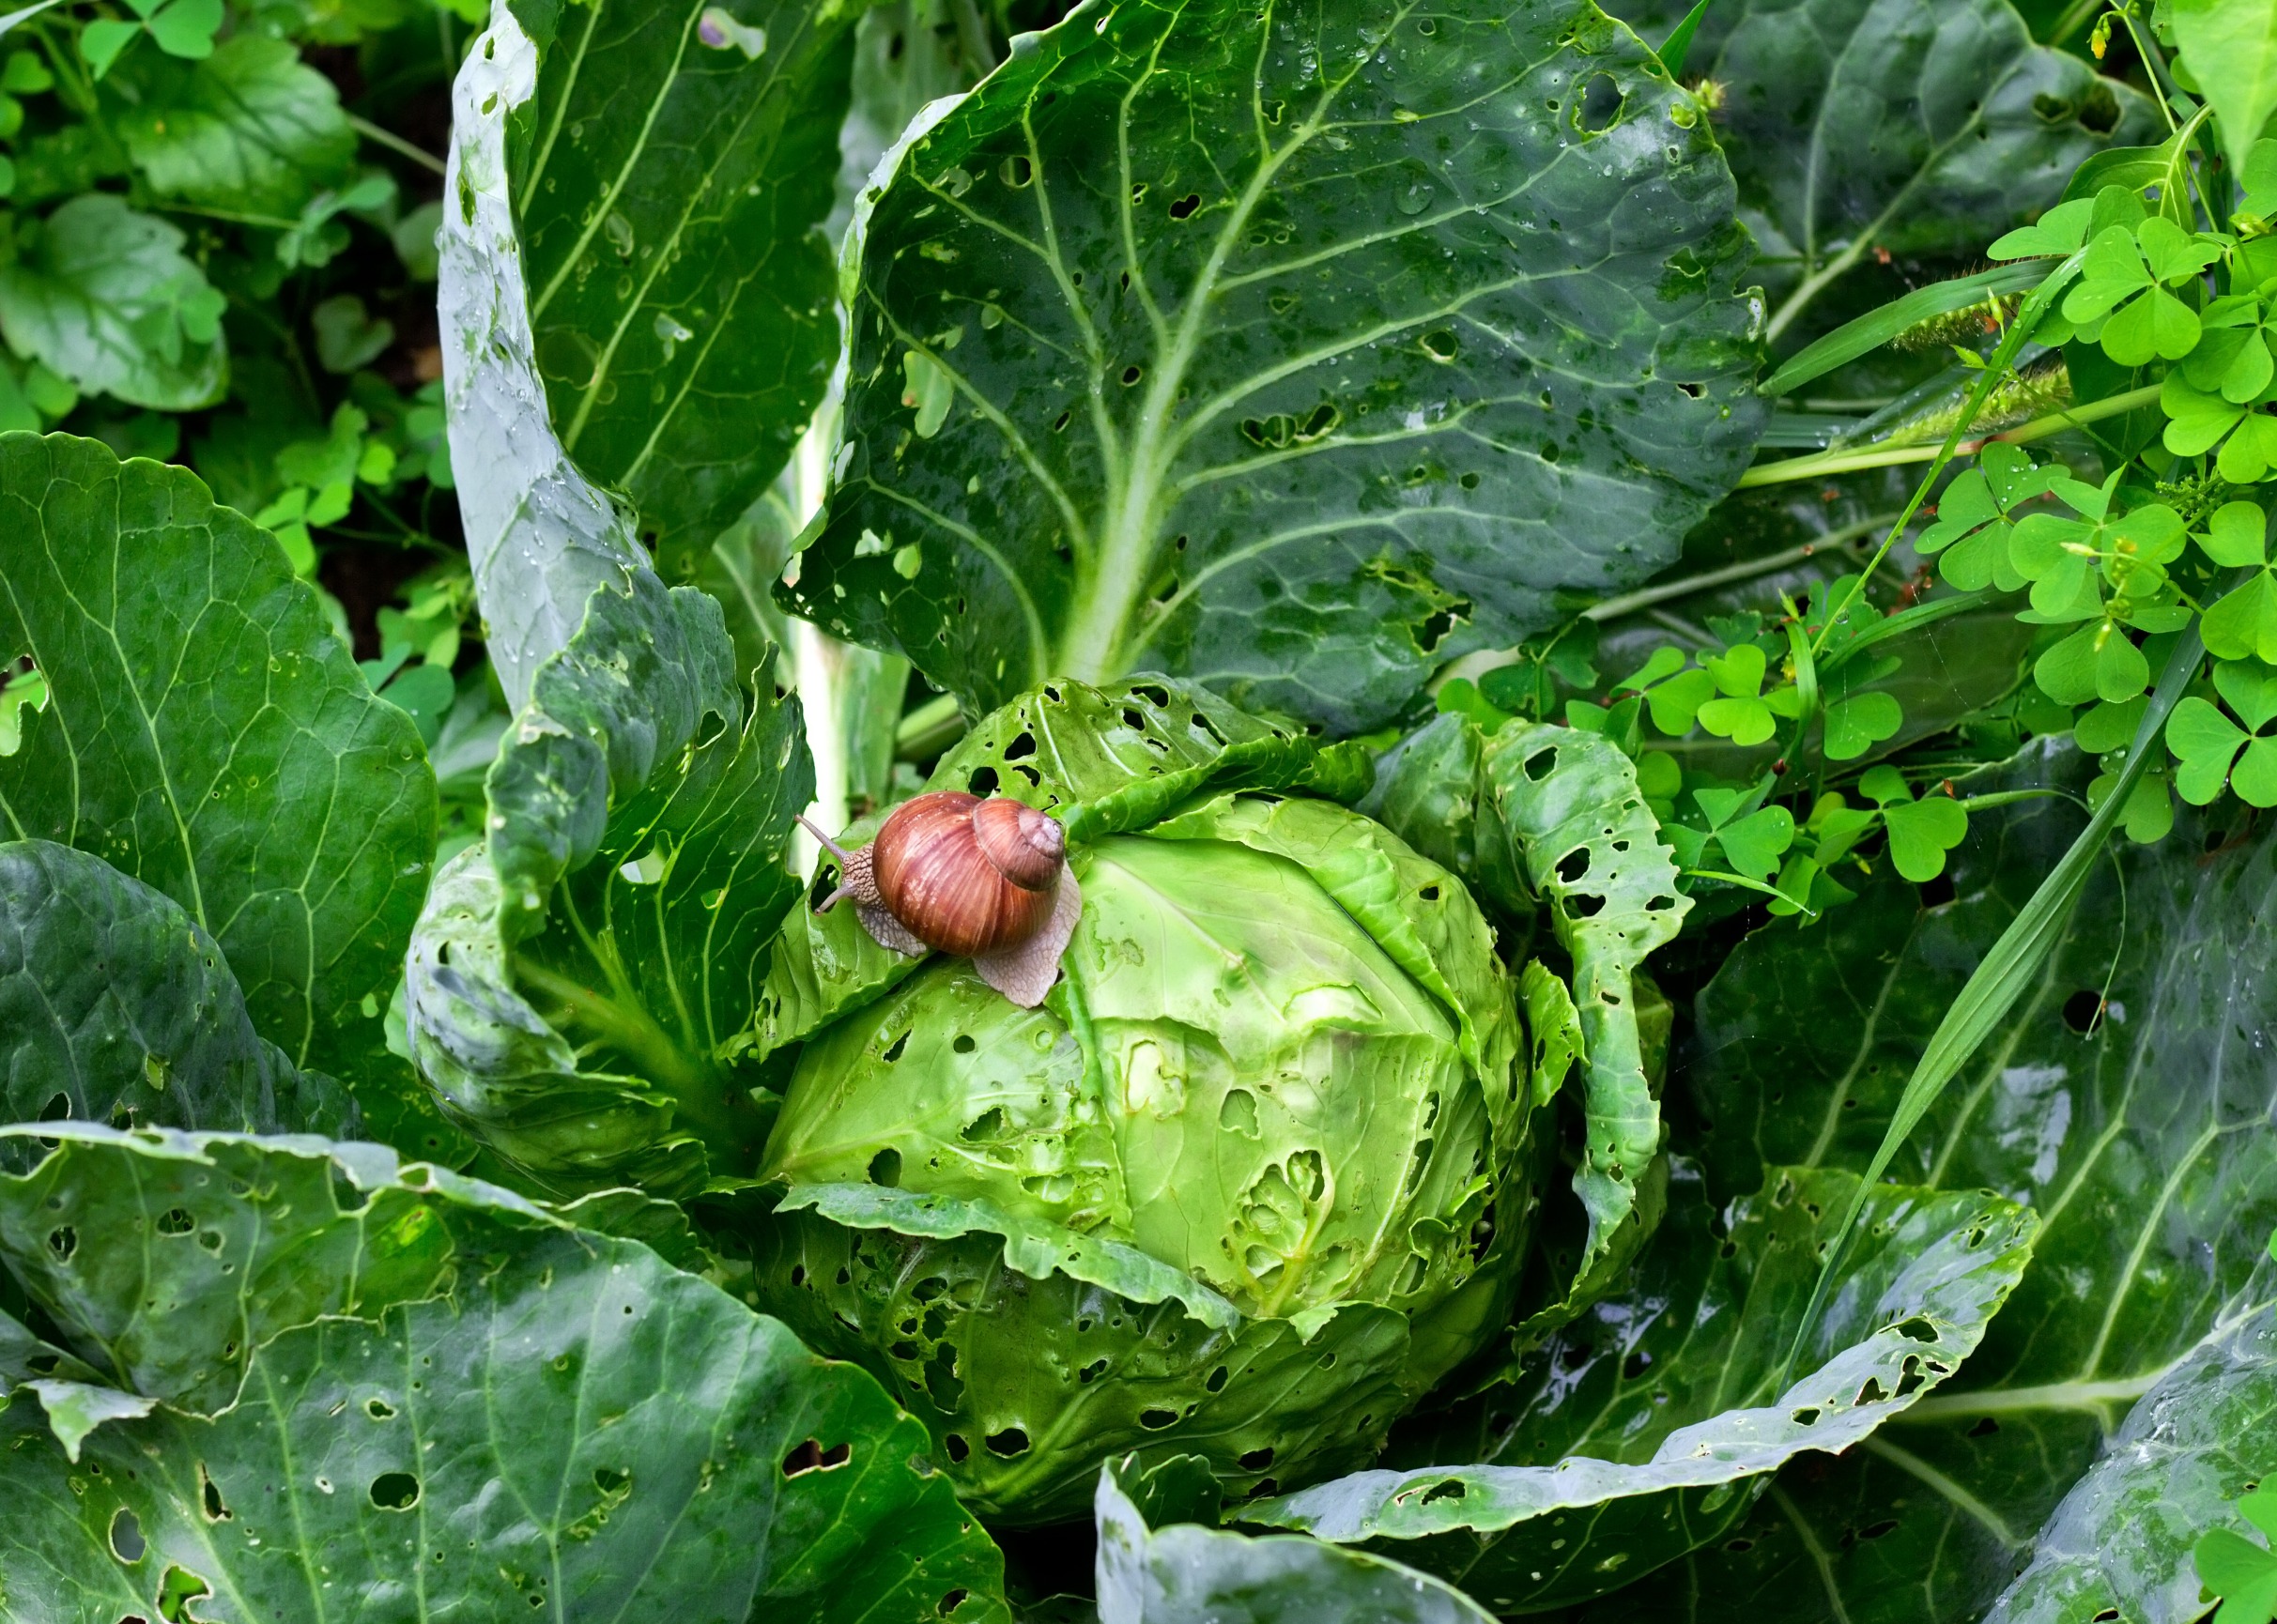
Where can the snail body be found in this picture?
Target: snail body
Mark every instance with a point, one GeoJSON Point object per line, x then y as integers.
{"type": "Point", "coordinates": [980, 878]}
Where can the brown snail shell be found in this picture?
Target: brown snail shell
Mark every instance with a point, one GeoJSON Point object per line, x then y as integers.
{"type": "Point", "coordinates": [985, 878]}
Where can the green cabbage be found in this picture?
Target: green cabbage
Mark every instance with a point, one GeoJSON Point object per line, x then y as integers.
{"type": "Point", "coordinates": [1253, 1179]}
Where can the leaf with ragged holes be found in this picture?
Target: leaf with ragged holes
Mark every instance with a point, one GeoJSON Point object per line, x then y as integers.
{"type": "Point", "coordinates": [2123, 1097]}
{"type": "Point", "coordinates": [671, 1453]}
{"type": "Point", "coordinates": [1357, 353]}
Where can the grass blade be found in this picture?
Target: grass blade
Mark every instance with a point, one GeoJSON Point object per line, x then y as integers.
{"type": "Point", "coordinates": [2014, 959]}
{"type": "Point", "coordinates": [1876, 327]}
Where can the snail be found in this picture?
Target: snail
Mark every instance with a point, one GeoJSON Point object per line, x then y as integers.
{"type": "Point", "coordinates": [984, 879]}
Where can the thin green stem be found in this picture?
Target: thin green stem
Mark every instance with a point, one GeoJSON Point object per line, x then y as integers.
{"type": "Point", "coordinates": [395, 142]}
{"type": "Point", "coordinates": [1827, 463]}
{"type": "Point", "coordinates": [2150, 66]}
{"type": "Point", "coordinates": [1728, 575]}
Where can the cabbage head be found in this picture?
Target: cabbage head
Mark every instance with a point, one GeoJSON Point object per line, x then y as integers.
{"type": "Point", "coordinates": [1253, 1179]}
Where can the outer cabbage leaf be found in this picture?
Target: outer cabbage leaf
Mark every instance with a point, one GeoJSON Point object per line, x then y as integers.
{"type": "Point", "coordinates": [578, 984]}
{"type": "Point", "coordinates": [540, 536]}
{"type": "Point", "coordinates": [670, 1451]}
{"type": "Point", "coordinates": [1917, 126]}
{"type": "Point", "coordinates": [2123, 1537]}
{"type": "Point", "coordinates": [209, 735]}
{"type": "Point", "coordinates": [1184, 1575]}
{"type": "Point", "coordinates": [999, 1364]}
{"type": "Point", "coordinates": [1566, 805]}
{"type": "Point", "coordinates": [2142, 1140]}
{"type": "Point", "coordinates": [1294, 353]}
{"type": "Point", "coordinates": [1647, 1427]}
{"type": "Point", "coordinates": [669, 167]}
{"type": "Point", "coordinates": [115, 1006]}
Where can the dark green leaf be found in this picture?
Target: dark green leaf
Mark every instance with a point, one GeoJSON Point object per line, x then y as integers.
{"type": "Point", "coordinates": [2122, 1538]}
{"type": "Point", "coordinates": [1915, 125]}
{"type": "Point", "coordinates": [116, 1006]}
{"type": "Point", "coordinates": [1185, 1574]}
{"type": "Point", "coordinates": [105, 298]}
{"type": "Point", "coordinates": [1200, 340]}
{"type": "Point", "coordinates": [251, 129]}
{"type": "Point", "coordinates": [1655, 1414]}
{"type": "Point", "coordinates": [2124, 1095]}
{"type": "Point", "coordinates": [667, 176]}
{"type": "Point", "coordinates": [209, 735]}
{"type": "Point", "coordinates": [562, 1422]}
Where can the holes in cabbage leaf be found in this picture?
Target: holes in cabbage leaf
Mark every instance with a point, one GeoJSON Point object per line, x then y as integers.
{"type": "Point", "coordinates": [394, 1491]}
{"type": "Point", "coordinates": [63, 1241]}
{"type": "Point", "coordinates": [1012, 1440]}
{"type": "Point", "coordinates": [893, 1051]}
{"type": "Point", "coordinates": [951, 1601]}
{"type": "Point", "coordinates": [1022, 744]}
{"type": "Point", "coordinates": [1153, 1420]}
{"type": "Point", "coordinates": [613, 1484]}
{"type": "Point", "coordinates": [811, 1457]}
{"type": "Point", "coordinates": [1917, 1327]}
{"type": "Point", "coordinates": [959, 1451]}
{"type": "Point", "coordinates": [127, 1541]}
{"type": "Point", "coordinates": [1257, 1460]}
{"type": "Point", "coordinates": [1806, 1417]}
{"type": "Point", "coordinates": [964, 1043]}
{"type": "Point", "coordinates": [215, 1511]}
{"type": "Point", "coordinates": [1888, 1525]}
{"type": "Point", "coordinates": [1985, 1428]}
{"type": "Point", "coordinates": [1216, 1383]}
{"type": "Point", "coordinates": [886, 1169]}
{"type": "Point", "coordinates": [379, 1409]}
{"type": "Point", "coordinates": [982, 782]}
{"type": "Point", "coordinates": [1601, 104]}
{"type": "Point", "coordinates": [1183, 209]}
{"type": "Point", "coordinates": [989, 1124]}
{"type": "Point", "coordinates": [1541, 764]}
{"type": "Point", "coordinates": [1446, 1489]}
{"type": "Point", "coordinates": [1636, 1364]}
{"type": "Point", "coordinates": [2082, 1009]}
{"type": "Point", "coordinates": [176, 1221]}
{"type": "Point", "coordinates": [1440, 344]}
{"type": "Point", "coordinates": [176, 1591]}
{"type": "Point", "coordinates": [1573, 865]}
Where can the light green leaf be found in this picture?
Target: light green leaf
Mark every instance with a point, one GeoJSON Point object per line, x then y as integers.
{"type": "Point", "coordinates": [252, 129]}
{"type": "Point", "coordinates": [1314, 385]}
{"type": "Point", "coordinates": [666, 183]}
{"type": "Point", "coordinates": [1857, 723]}
{"type": "Point", "coordinates": [2123, 1537]}
{"type": "Point", "coordinates": [1638, 1436]}
{"type": "Point", "coordinates": [185, 28]}
{"type": "Point", "coordinates": [116, 1006]}
{"type": "Point", "coordinates": [104, 297]}
{"type": "Point", "coordinates": [2243, 625]}
{"type": "Point", "coordinates": [2154, 1222]}
{"type": "Point", "coordinates": [670, 1453]}
{"type": "Point", "coordinates": [1568, 805]}
{"type": "Point", "coordinates": [348, 337]}
{"type": "Point", "coordinates": [2230, 48]}
{"type": "Point", "coordinates": [1187, 1575]}
{"type": "Point", "coordinates": [1921, 833]}
{"type": "Point", "coordinates": [209, 735]}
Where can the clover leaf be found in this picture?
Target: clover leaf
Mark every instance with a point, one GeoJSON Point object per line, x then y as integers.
{"type": "Point", "coordinates": [2122, 296]}
{"type": "Point", "coordinates": [2068, 560]}
{"type": "Point", "coordinates": [2097, 662]}
{"type": "Point", "coordinates": [1976, 517]}
{"type": "Point", "coordinates": [2233, 358]}
{"type": "Point", "coordinates": [1858, 722]}
{"type": "Point", "coordinates": [1833, 828]}
{"type": "Point", "coordinates": [1751, 844]}
{"type": "Point", "coordinates": [2199, 419]}
{"type": "Point", "coordinates": [2242, 1573]}
{"type": "Point", "coordinates": [2212, 750]}
{"type": "Point", "coordinates": [1672, 694]}
{"type": "Point", "coordinates": [1920, 832]}
{"type": "Point", "coordinates": [1738, 712]}
{"type": "Point", "coordinates": [2243, 624]}
{"type": "Point", "coordinates": [183, 28]}
{"type": "Point", "coordinates": [2060, 231]}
